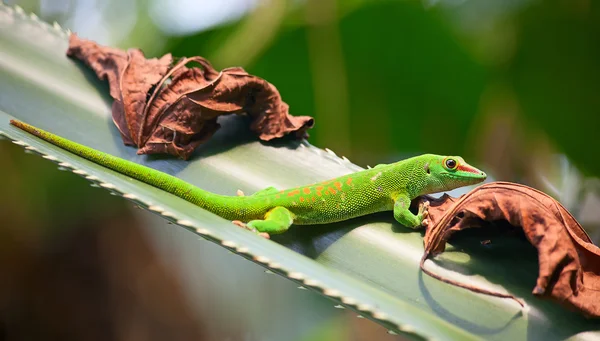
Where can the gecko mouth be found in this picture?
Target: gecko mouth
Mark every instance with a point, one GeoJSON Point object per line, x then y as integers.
{"type": "Point", "coordinates": [475, 176]}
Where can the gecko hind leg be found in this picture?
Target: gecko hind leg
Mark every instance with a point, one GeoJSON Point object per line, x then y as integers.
{"type": "Point", "coordinates": [277, 220]}
{"type": "Point", "coordinates": [245, 226]}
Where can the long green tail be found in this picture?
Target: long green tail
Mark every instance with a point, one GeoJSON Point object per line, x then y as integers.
{"type": "Point", "coordinates": [215, 203]}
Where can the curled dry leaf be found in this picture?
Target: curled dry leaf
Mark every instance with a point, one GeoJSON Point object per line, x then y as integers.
{"type": "Point", "coordinates": [569, 264]}
{"type": "Point", "coordinates": [130, 75]}
{"type": "Point", "coordinates": [164, 108]}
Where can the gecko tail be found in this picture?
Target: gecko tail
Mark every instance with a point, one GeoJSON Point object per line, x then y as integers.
{"type": "Point", "coordinates": [150, 176]}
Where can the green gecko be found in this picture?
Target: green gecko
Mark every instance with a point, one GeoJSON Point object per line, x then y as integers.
{"type": "Point", "coordinates": [386, 187]}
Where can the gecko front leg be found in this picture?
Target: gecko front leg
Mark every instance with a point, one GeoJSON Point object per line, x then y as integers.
{"type": "Point", "coordinates": [404, 216]}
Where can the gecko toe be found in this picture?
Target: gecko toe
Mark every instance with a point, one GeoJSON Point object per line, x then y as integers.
{"type": "Point", "coordinates": [425, 223]}
{"type": "Point", "coordinates": [424, 209]}
{"type": "Point", "coordinates": [250, 228]}
{"type": "Point", "coordinates": [241, 224]}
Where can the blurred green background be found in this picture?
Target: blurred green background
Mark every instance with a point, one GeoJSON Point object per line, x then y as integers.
{"type": "Point", "coordinates": [511, 85]}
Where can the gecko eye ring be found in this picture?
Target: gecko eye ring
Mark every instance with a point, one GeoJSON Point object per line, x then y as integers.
{"type": "Point", "coordinates": [451, 163]}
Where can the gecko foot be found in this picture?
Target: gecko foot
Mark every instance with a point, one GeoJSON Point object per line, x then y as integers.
{"type": "Point", "coordinates": [424, 213]}
{"type": "Point", "coordinates": [424, 209]}
{"type": "Point", "coordinates": [249, 228]}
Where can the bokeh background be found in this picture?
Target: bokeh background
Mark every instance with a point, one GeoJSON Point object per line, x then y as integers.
{"type": "Point", "coordinates": [511, 85]}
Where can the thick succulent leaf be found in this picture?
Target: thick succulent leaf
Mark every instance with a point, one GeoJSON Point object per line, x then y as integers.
{"type": "Point", "coordinates": [370, 264]}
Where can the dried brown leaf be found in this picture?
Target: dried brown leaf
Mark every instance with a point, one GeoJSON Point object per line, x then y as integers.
{"type": "Point", "coordinates": [171, 123]}
{"type": "Point", "coordinates": [236, 91]}
{"type": "Point", "coordinates": [138, 78]}
{"type": "Point", "coordinates": [569, 263]}
{"type": "Point", "coordinates": [182, 110]}
{"type": "Point", "coordinates": [108, 64]}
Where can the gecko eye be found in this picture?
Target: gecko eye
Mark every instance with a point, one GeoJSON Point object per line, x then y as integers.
{"type": "Point", "coordinates": [451, 164]}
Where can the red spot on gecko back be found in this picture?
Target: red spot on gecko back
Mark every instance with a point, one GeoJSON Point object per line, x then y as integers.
{"type": "Point", "coordinates": [306, 190]}
{"type": "Point", "coordinates": [331, 190]}
{"type": "Point", "coordinates": [348, 181]}
{"type": "Point", "coordinates": [294, 192]}
{"type": "Point", "coordinates": [338, 185]}
{"type": "Point", "coordinates": [301, 199]}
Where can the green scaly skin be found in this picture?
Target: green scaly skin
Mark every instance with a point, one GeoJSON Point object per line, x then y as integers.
{"type": "Point", "coordinates": [389, 187]}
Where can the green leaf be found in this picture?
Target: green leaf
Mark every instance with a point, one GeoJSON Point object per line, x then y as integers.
{"type": "Point", "coordinates": [556, 77]}
{"type": "Point", "coordinates": [372, 77]}
{"type": "Point", "coordinates": [369, 265]}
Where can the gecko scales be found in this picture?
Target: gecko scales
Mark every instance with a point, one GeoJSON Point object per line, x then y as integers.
{"type": "Point", "coordinates": [386, 187]}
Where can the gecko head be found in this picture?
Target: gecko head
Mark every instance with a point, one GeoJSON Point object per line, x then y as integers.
{"type": "Point", "coordinates": [446, 173]}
